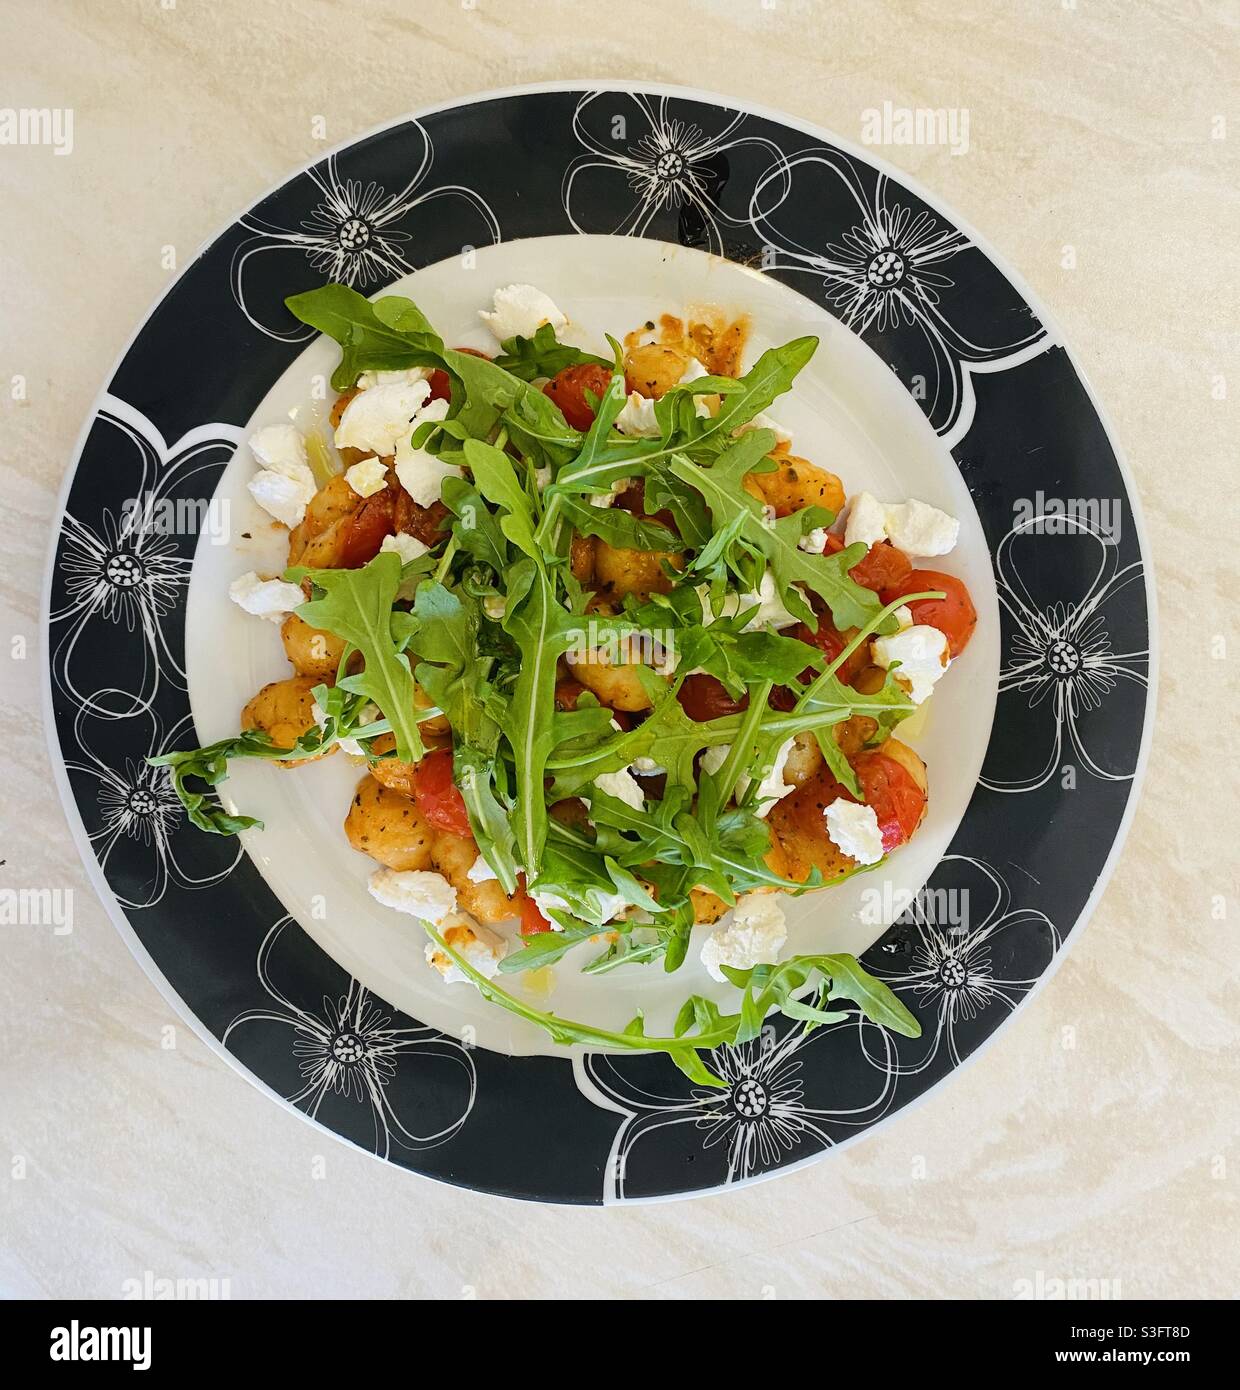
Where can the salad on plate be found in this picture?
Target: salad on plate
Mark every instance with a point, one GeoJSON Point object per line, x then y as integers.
{"type": "Point", "coordinates": [619, 670]}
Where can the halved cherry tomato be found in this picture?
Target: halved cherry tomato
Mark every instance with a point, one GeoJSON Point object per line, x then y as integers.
{"type": "Point", "coordinates": [702, 697]}
{"type": "Point", "coordinates": [954, 616]}
{"type": "Point", "coordinates": [897, 800]}
{"type": "Point", "coordinates": [441, 382]}
{"type": "Point", "coordinates": [568, 390]}
{"type": "Point", "coordinates": [881, 567]}
{"type": "Point", "coordinates": [532, 920]}
{"type": "Point", "coordinates": [374, 519]}
{"type": "Point", "coordinates": [436, 794]}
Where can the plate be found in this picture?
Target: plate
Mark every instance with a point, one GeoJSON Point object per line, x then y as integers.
{"type": "Point", "coordinates": [937, 377]}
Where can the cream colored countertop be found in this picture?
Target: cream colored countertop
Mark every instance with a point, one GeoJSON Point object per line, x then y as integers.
{"type": "Point", "coordinates": [1094, 126]}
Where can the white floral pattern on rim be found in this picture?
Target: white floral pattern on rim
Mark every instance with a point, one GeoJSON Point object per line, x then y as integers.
{"type": "Point", "coordinates": [952, 969]}
{"type": "Point", "coordinates": [760, 1117]}
{"type": "Point", "coordinates": [1060, 657]}
{"type": "Point", "coordinates": [666, 166]}
{"type": "Point", "coordinates": [126, 570]}
{"type": "Point", "coordinates": [351, 1049]}
{"type": "Point", "coordinates": [352, 232]}
{"type": "Point", "coordinates": [886, 274]}
{"type": "Point", "coordinates": [138, 812]}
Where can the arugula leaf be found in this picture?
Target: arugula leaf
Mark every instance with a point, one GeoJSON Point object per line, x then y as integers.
{"type": "Point", "coordinates": [700, 1026]}
{"type": "Point", "coordinates": [543, 355]}
{"type": "Point", "coordinates": [722, 490]}
{"type": "Point", "coordinates": [371, 338]}
{"type": "Point", "coordinates": [617, 527]}
{"type": "Point", "coordinates": [357, 606]}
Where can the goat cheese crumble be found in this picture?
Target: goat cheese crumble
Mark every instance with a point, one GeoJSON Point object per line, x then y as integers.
{"type": "Point", "coordinates": [519, 311]}
{"type": "Point", "coordinates": [420, 472]}
{"type": "Point", "coordinates": [408, 547]}
{"type": "Point", "coordinates": [419, 892]}
{"type": "Point", "coordinates": [272, 599]}
{"type": "Point", "coordinates": [623, 786]}
{"type": "Point", "coordinates": [284, 484]}
{"type": "Point", "coordinates": [367, 478]}
{"type": "Point", "coordinates": [375, 420]}
{"type": "Point", "coordinates": [481, 947]}
{"type": "Point", "coordinates": [853, 828]}
{"type": "Point", "coordinates": [753, 933]}
{"type": "Point", "coordinates": [914, 527]}
{"type": "Point", "coordinates": [922, 653]}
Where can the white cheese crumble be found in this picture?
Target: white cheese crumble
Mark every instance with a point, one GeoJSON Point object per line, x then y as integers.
{"type": "Point", "coordinates": [403, 376]}
{"type": "Point", "coordinates": [607, 499]}
{"type": "Point", "coordinates": [913, 526]}
{"type": "Point", "coordinates": [762, 421]}
{"type": "Point", "coordinates": [770, 607]}
{"type": "Point", "coordinates": [420, 472]}
{"type": "Point", "coordinates": [284, 484]}
{"type": "Point", "coordinates": [753, 933]}
{"type": "Point", "coordinates": [520, 311]}
{"type": "Point", "coordinates": [348, 745]}
{"type": "Point", "coordinates": [922, 653]}
{"type": "Point", "coordinates": [272, 599]}
{"type": "Point", "coordinates": [647, 767]}
{"type": "Point", "coordinates": [853, 828]}
{"type": "Point", "coordinates": [637, 417]}
{"type": "Point", "coordinates": [408, 547]}
{"type": "Point", "coordinates": [419, 892]}
{"type": "Point", "coordinates": [481, 947]}
{"type": "Point", "coordinates": [366, 478]}
{"type": "Point", "coordinates": [375, 420]}
{"type": "Point", "coordinates": [480, 871]}
{"type": "Point", "coordinates": [623, 786]}
{"type": "Point", "coordinates": [814, 542]}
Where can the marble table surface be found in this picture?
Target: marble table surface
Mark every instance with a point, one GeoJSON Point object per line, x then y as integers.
{"type": "Point", "coordinates": [1096, 1138]}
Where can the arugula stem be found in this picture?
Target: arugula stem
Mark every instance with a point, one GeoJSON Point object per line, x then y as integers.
{"type": "Point", "coordinates": [568, 1031]}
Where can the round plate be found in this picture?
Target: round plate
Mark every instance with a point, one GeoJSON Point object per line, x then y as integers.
{"type": "Point", "coordinates": [941, 378]}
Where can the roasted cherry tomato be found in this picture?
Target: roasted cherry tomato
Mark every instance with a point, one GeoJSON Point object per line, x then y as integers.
{"type": "Point", "coordinates": [897, 800]}
{"type": "Point", "coordinates": [568, 390]}
{"type": "Point", "coordinates": [532, 920]}
{"type": "Point", "coordinates": [954, 616]}
{"type": "Point", "coordinates": [437, 795]}
{"type": "Point", "coordinates": [830, 641]}
{"type": "Point", "coordinates": [374, 519]}
{"type": "Point", "coordinates": [702, 697]}
{"type": "Point", "coordinates": [882, 567]}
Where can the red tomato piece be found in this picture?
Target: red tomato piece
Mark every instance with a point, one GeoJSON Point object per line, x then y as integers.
{"type": "Point", "coordinates": [897, 800]}
{"type": "Point", "coordinates": [568, 390]}
{"type": "Point", "coordinates": [882, 567]}
{"type": "Point", "coordinates": [437, 796]}
{"type": "Point", "coordinates": [830, 641]}
{"type": "Point", "coordinates": [954, 616]}
{"type": "Point", "coordinates": [703, 697]}
{"type": "Point", "coordinates": [532, 920]}
{"type": "Point", "coordinates": [374, 519]}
